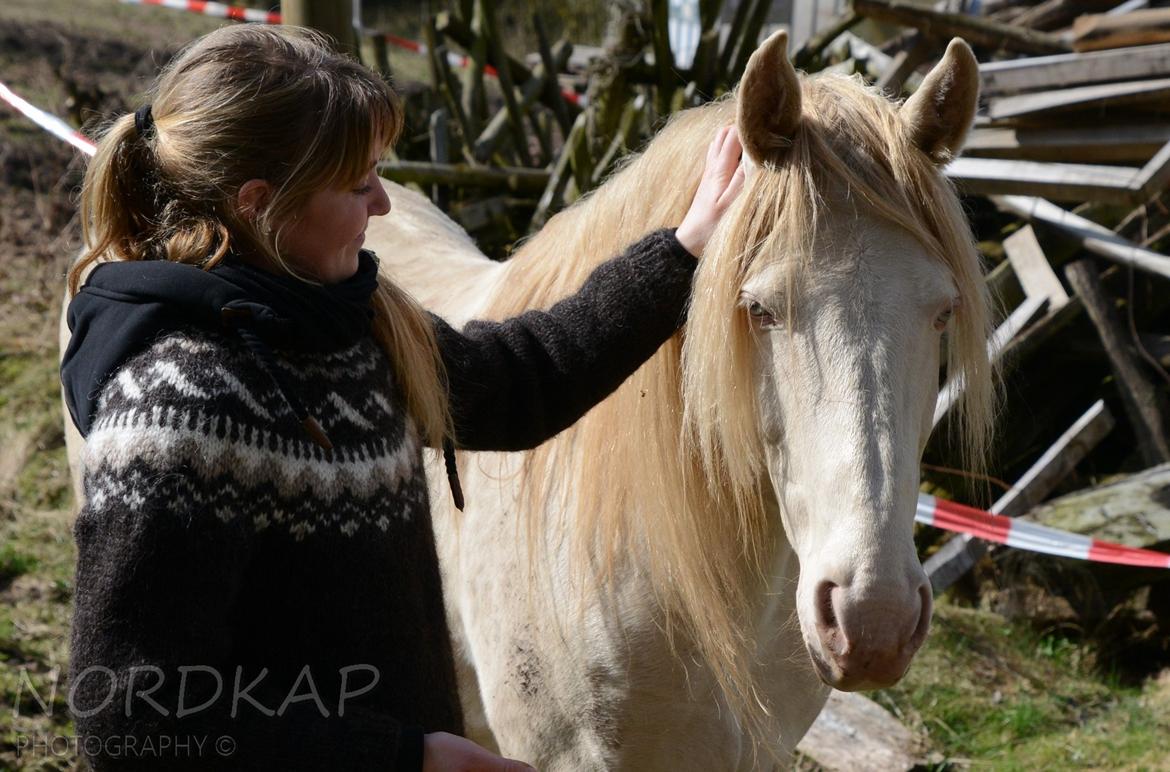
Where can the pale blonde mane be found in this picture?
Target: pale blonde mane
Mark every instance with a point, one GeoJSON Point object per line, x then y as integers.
{"type": "Point", "coordinates": [670, 468]}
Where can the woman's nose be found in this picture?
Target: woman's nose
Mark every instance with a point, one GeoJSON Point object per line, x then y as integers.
{"type": "Point", "coordinates": [380, 201]}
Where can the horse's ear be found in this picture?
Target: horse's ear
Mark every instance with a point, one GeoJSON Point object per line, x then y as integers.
{"type": "Point", "coordinates": [939, 114]}
{"type": "Point", "coordinates": [768, 100]}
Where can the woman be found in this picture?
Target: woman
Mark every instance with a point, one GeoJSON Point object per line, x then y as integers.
{"type": "Point", "coordinates": [257, 585]}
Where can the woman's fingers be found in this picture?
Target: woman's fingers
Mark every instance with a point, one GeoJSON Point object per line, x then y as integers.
{"type": "Point", "coordinates": [722, 166]}
{"type": "Point", "coordinates": [717, 143]}
{"type": "Point", "coordinates": [722, 179]}
{"type": "Point", "coordinates": [729, 152]}
{"type": "Point", "coordinates": [729, 169]}
{"type": "Point", "coordinates": [733, 187]}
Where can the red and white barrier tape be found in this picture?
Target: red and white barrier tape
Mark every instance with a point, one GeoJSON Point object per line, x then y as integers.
{"type": "Point", "coordinates": [1030, 536]}
{"type": "Point", "coordinates": [222, 11]}
{"type": "Point", "coordinates": [218, 10]}
{"type": "Point", "coordinates": [939, 513]}
{"type": "Point", "coordinates": [49, 123]}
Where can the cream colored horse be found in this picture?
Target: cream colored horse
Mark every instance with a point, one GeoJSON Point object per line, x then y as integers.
{"type": "Point", "coordinates": [675, 582]}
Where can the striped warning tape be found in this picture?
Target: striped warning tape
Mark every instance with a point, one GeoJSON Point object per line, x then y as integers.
{"type": "Point", "coordinates": [1030, 536]}
{"type": "Point", "coordinates": [219, 10]}
{"type": "Point", "coordinates": [932, 511]}
{"type": "Point", "coordinates": [49, 123]}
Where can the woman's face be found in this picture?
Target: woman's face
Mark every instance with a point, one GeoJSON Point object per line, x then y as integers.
{"type": "Point", "coordinates": [324, 238]}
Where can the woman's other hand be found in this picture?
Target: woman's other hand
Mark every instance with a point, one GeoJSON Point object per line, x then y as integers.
{"type": "Point", "coordinates": [445, 752]}
{"type": "Point", "coordinates": [722, 181]}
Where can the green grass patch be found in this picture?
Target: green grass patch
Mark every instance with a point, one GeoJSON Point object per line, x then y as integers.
{"type": "Point", "coordinates": [13, 564]}
{"type": "Point", "coordinates": [987, 692]}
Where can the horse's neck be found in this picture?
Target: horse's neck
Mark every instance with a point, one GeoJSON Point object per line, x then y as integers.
{"type": "Point", "coordinates": [431, 257]}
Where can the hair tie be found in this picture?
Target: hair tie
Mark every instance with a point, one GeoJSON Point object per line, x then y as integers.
{"type": "Point", "coordinates": [143, 120]}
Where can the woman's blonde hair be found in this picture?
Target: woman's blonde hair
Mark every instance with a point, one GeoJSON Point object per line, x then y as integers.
{"type": "Point", "coordinates": [275, 103]}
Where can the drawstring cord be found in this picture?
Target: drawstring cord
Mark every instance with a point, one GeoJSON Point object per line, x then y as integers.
{"type": "Point", "coordinates": [452, 473]}
{"type": "Point", "coordinates": [267, 362]}
{"type": "Point", "coordinates": [239, 319]}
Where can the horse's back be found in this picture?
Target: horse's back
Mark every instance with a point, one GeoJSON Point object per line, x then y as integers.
{"type": "Point", "coordinates": [430, 256]}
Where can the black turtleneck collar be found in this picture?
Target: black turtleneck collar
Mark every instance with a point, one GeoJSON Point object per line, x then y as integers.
{"type": "Point", "coordinates": [126, 305]}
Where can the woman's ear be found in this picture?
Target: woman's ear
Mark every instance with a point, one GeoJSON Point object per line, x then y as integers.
{"type": "Point", "coordinates": [252, 198]}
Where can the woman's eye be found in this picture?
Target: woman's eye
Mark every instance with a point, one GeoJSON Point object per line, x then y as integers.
{"type": "Point", "coordinates": [363, 190]}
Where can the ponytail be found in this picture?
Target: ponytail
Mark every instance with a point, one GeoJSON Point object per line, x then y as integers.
{"type": "Point", "coordinates": [116, 205]}
{"type": "Point", "coordinates": [129, 213]}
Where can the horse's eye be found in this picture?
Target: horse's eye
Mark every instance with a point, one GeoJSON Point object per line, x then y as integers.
{"type": "Point", "coordinates": [940, 322]}
{"type": "Point", "coordinates": [761, 316]}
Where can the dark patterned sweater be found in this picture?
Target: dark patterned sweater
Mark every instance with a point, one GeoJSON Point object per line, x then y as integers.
{"type": "Point", "coordinates": [247, 600]}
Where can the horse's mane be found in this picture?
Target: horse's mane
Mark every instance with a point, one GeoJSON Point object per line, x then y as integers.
{"type": "Point", "coordinates": [671, 466]}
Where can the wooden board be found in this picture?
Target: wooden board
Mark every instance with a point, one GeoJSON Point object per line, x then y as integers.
{"type": "Point", "coordinates": [974, 29]}
{"type": "Point", "coordinates": [1097, 31]}
{"type": "Point", "coordinates": [1027, 312]}
{"type": "Point", "coordinates": [1062, 182]}
{"type": "Point", "coordinates": [1155, 175]}
{"type": "Point", "coordinates": [958, 555]}
{"type": "Point", "coordinates": [1080, 97]}
{"type": "Point", "coordinates": [1093, 237]}
{"type": "Point", "coordinates": [855, 734]}
{"type": "Point", "coordinates": [1119, 143]}
{"type": "Point", "coordinates": [1064, 70]}
{"type": "Point", "coordinates": [1033, 269]}
{"type": "Point", "coordinates": [1134, 511]}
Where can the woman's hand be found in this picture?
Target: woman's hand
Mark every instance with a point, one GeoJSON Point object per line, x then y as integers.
{"type": "Point", "coordinates": [722, 181]}
{"type": "Point", "coordinates": [444, 752]}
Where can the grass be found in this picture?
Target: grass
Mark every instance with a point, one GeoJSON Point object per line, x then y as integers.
{"type": "Point", "coordinates": [989, 693]}
{"type": "Point", "coordinates": [13, 564]}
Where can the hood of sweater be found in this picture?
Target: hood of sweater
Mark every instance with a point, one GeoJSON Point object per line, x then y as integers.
{"type": "Point", "coordinates": [124, 306]}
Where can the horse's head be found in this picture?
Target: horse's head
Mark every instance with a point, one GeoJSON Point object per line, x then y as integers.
{"type": "Point", "coordinates": [833, 282]}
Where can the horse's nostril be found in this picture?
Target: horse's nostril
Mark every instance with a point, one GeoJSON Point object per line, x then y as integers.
{"type": "Point", "coordinates": [926, 599]}
{"type": "Point", "coordinates": [826, 617]}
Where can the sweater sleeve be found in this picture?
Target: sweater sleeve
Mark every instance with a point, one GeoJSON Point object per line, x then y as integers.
{"type": "Point", "coordinates": [516, 383]}
{"type": "Point", "coordinates": [158, 574]}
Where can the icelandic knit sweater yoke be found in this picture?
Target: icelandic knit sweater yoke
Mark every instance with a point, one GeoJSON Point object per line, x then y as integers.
{"type": "Point", "coordinates": [125, 305]}
{"type": "Point", "coordinates": [238, 578]}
